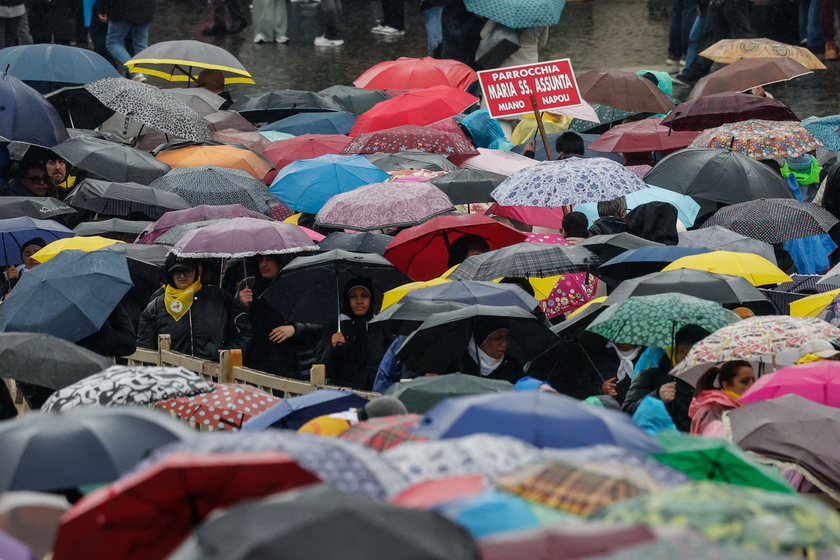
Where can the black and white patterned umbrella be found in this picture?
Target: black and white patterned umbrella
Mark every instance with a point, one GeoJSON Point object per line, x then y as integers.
{"type": "Point", "coordinates": [128, 385]}
{"type": "Point", "coordinates": [150, 106]}
{"type": "Point", "coordinates": [527, 260]}
{"type": "Point", "coordinates": [774, 220]}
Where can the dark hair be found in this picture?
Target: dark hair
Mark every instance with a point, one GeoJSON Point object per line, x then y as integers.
{"type": "Point", "coordinates": [519, 281]}
{"type": "Point", "coordinates": [575, 224]}
{"type": "Point", "coordinates": [459, 248]}
{"type": "Point", "coordinates": [213, 78]}
{"type": "Point", "coordinates": [831, 194]}
{"type": "Point", "coordinates": [27, 166]}
{"type": "Point", "coordinates": [772, 164]}
{"type": "Point", "coordinates": [723, 374]}
{"type": "Point", "coordinates": [570, 143]}
{"type": "Point", "coordinates": [690, 335]}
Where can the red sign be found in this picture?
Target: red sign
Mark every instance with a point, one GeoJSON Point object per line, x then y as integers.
{"type": "Point", "coordinates": [508, 91]}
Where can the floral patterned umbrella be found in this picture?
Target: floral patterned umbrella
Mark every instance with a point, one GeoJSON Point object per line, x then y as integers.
{"type": "Point", "coordinates": [653, 320]}
{"type": "Point", "coordinates": [225, 406]}
{"type": "Point", "coordinates": [774, 220]}
{"type": "Point", "coordinates": [727, 51]}
{"type": "Point", "coordinates": [569, 181]}
{"type": "Point", "coordinates": [760, 139]}
{"type": "Point", "coordinates": [410, 137]}
{"type": "Point", "coordinates": [571, 290]}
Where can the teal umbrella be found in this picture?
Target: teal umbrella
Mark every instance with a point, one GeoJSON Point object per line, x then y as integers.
{"type": "Point", "coordinates": [423, 393]}
{"type": "Point", "coordinates": [519, 14]}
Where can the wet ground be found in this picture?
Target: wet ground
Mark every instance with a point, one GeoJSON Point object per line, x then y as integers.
{"type": "Point", "coordinates": [593, 33]}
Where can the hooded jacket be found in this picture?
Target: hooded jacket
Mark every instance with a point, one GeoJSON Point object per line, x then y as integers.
{"type": "Point", "coordinates": [706, 411]}
{"type": "Point", "coordinates": [647, 383]}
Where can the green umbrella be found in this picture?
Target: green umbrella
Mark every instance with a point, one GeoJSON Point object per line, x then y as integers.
{"type": "Point", "coordinates": [737, 515]}
{"type": "Point", "coordinates": [706, 458]}
{"type": "Point", "coordinates": [654, 320]}
{"type": "Point", "coordinates": [421, 394]}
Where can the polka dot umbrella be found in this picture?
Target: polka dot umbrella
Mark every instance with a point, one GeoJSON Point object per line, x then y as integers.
{"type": "Point", "coordinates": [227, 407]}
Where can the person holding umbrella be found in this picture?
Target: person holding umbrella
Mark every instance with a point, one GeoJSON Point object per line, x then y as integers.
{"type": "Point", "coordinates": [28, 249]}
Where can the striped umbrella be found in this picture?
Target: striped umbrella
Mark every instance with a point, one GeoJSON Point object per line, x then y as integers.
{"type": "Point", "coordinates": [774, 220]}
{"type": "Point", "coordinates": [123, 199]}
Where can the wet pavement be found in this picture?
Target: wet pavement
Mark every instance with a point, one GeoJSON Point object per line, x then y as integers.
{"type": "Point", "coordinates": [593, 33]}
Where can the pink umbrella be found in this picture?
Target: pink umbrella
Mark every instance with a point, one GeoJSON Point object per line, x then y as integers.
{"type": "Point", "coordinates": [531, 215]}
{"type": "Point", "coordinates": [243, 237]}
{"type": "Point", "coordinates": [313, 235]}
{"type": "Point", "coordinates": [639, 170]}
{"type": "Point", "coordinates": [571, 290]}
{"type": "Point", "coordinates": [815, 381]}
{"type": "Point", "coordinates": [497, 161]}
{"type": "Point", "coordinates": [201, 213]}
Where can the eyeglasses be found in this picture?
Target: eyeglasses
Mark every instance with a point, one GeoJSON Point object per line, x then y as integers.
{"type": "Point", "coordinates": [39, 179]}
{"type": "Point", "coordinates": [182, 272]}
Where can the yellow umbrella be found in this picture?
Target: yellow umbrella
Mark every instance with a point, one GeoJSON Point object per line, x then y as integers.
{"type": "Point", "coordinates": [391, 297]}
{"type": "Point", "coordinates": [293, 219]}
{"type": "Point", "coordinates": [585, 305]}
{"type": "Point", "coordinates": [811, 306]}
{"type": "Point", "coordinates": [757, 270]}
{"type": "Point", "coordinates": [182, 61]}
{"type": "Point", "coordinates": [727, 51]}
{"type": "Point", "coordinates": [72, 243]}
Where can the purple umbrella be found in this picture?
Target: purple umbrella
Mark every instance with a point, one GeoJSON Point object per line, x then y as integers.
{"type": "Point", "coordinates": [13, 549]}
{"type": "Point", "coordinates": [384, 205]}
{"type": "Point", "coordinates": [243, 237]}
{"type": "Point", "coordinates": [198, 214]}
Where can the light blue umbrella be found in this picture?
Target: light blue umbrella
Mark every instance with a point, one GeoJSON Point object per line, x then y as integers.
{"type": "Point", "coordinates": [274, 136]}
{"type": "Point", "coordinates": [328, 122]}
{"type": "Point", "coordinates": [519, 14]}
{"type": "Point", "coordinates": [825, 130]}
{"type": "Point", "coordinates": [306, 185]}
{"type": "Point", "coordinates": [687, 208]}
{"type": "Point", "coordinates": [551, 184]}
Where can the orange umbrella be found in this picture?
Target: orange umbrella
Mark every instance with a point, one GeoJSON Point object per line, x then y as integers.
{"type": "Point", "coordinates": [727, 51]}
{"type": "Point", "coordinates": [220, 156]}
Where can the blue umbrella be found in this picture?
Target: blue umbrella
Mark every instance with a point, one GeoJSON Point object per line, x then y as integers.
{"type": "Point", "coordinates": [687, 208]}
{"type": "Point", "coordinates": [541, 418]}
{"type": "Point", "coordinates": [824, 129]}
{"type": "Point", "coordinates": [50, 67]}
{"type": "Point", "coordinates": [333, 122]}
{"type": "Point", "coordinates": [291, 414]}
{"type": "Point", "coordinates": [274, 136]}
{"type": "Point", "coordinates": [70, 296]}
{"type": "Point", "coordinates": [472, 292]}
{"type": "Point", "coordinates": [306, 185]}
{"type": "Point", "coordinates": [26, 116]}
{"type": "Point", "coordinates": [645, 260]}
{"type": "Point", "coordinates": [14, 232]}
{"type": "Point", "coordinates": [519, 14]}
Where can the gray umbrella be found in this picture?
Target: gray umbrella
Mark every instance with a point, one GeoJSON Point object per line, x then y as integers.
{"type": "Point", "coordinates": [200, 100]}
{"type": "Point", "coordinates": [411, 159]}
{"type": "Point", "coordinates": [40, 208]}
{"type": "Point", "coordinates": [466, 186]}
{"type": "Point", "coordinates": [150, 106]}
{"type": "Point", "coordinates": [218, 186]}
{"type": "Point", "coordinates": [357, 100]}
{"type": "Point", "coordinates": [110, 161]}
{"type": "Point", "coordinates": [722, 239]}
{"type": "Point", "coordinates": [404, 317]}
{"type": "Point", "coordinates": [124, 199]}
{"type": "Point", "coordinates": [114, 225]}
{"type": "Point", "coordinates": [276, 105]}
{"type": "Point", "coordinates": [526, 260]}
{"type": "Point", "coordinates": [225, 120]}
{"type": "Point", "coordinates": [46, 361]}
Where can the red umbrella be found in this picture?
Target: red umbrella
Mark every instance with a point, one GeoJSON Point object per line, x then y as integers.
{"type": "Point", "coordinates": [647, 135]}
{"type": "Point", "coordinates": [145, 515]}
{"type": "Point", "coordinates": [307, 146]}
{"type": "Point", "coordinates": [430, 493]}
{"type": "Point", "coordinates": [422, 251]}
{"type": "Point", "coordinates": [420, 107]}
{"type": "Point", "coordinates": [722, 108]}
{"type": "Point", "coordinates": [226, 408]}
{"type": "Point", "coordinates": [416, 73]}
{"type": "Point", "coordinates": [411, 137]}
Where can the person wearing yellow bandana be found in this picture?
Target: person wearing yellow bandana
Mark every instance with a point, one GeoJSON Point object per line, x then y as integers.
{"type": "Point", "coordinates": [717, 391]}
{"type": "Point", "coordinates": [202, 320]}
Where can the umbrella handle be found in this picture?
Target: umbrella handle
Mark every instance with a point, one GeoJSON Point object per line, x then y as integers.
{"type": "Point", "coordinates": [338, 299]}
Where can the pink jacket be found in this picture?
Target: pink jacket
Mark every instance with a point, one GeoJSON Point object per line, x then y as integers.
{"type": "Point", "coordinates": [706, 411]}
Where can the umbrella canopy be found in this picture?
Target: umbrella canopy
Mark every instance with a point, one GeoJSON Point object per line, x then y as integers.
{"type": "Point", "coordinates": [251, 140]}
{"type": "Point", "coordinates": [32, 518]}
{"type": "Point", "coordinates": [198, 214]}
{"type": "Point", "coordinates": [114, 225]}
{"type": "Point", "coordinates": [758, 270]}
{"type": "Point", "coordinates": [225, 406]}
{"type": "Point", "coordinates": [27, 116]}
{"type": "Point", "coordinates": [825, 130]}
{"type": "Point", "coordinates": [202, 101]}
{"type": "Point", "coordinates": [40, 208]}
{"type": "Point", "coordinates": [643, 261]}
{"type": "Point", "coordinates": [725, 176]}
{"type": "Point", "coordinates": [747, 73]}
{"type": "Point", "coordinates": [816, 381]}
{"type": "Point", "coordinates": [422, 251]}
{"type": "Point", "coordinates": [439, 491]}
{"type": "Point", "coordinates": [307, 185]}
{"type": "Point", "coordinates": [307, 146]}
{"type": "Point", "coordinates": [327, 123]}
{"type": "Point", "coordinates": [468, 292]}
{"type": "Point", "coordinates": [51, 362]}
{"type": "Point", "coordinates": [410, 159]}
{"type": "Point", "coordinates": [383, 432]}
{"type": "Point", "coordinates": [229, 157]}
{"type": "Point", "coordinates": [226, 120]}
{"type": "Point", "coordinates": [384, 205]}
{"type": "Point", "coordinates": [526, 14]}
{"type": "Point", "coordinates": [529, 260]}
{"type": "Point", "coordinates": [646, 135]}
{"type": "Point", "coordinates": [623, 90]}
{"type": "Point", "coordinates": [110, 161]}
{"type": "Point", "coordinates": [424, 393]}
{"type": "Point", "coordinates": [813, 305]}
{"type": "Point", "coordinates": [16, 232]}
{"type": "Point", "coordinates": [499, 162]}
{"type": "Point", "coordinates": [47, 67]}
{"type": "Point", "coordinates": [358, 100]}
{"type": "Point", "coordinates": [531, 215]}
{"type": "Point", "coordinates": [365, 242]}
{"type": "Point", "coordinates": [148, 513]}
{"type": "Point", "coordinates": [411, 137]}
{"type": "Point", "coordinates": [243, 237]}
{"type": "Point", "coordinates": [181, 61]}
{"type": "Point", "coordinates": [607, 247]}
{"type": "Point", "coordinates": [78, 108]}
{"type": "Point", "coordinates": [90, 445]}
{"type": "Point", "coordinates": [722, 108]}
{"type": "Point", "coordinates": [120, 385]}
{"type": "Point", "coordinates": [727, 51]}
{"type": "Point", "coordinates": [569, 181]}
{"type": "Point", "coordinates": [124, 199]}
{"type": "Point", "coordinates": [72, 244]}
{"type": "Point", "coordinates": [13, 549]}
{"type": "Point", "coordinates": [466, 186]}
{"type": "Point", "coordinates": [269, 107]}
{"type": "Point", "coordinates": [55, 297]}
{"type": "Point", "coordinates": [416, 73]}
{"type": "Point", "coordinates": [541, 418]}
{"type": "Point", "coordinates": [420, 107]}
{"type": "Point", "coordinates": [760, 139]}
{"type": "Point", "coordinates": [294, 412]}
{"type": "Point", "coordinates": [774, 220]}
{"type": "Point", "coordinates": [716, 237]}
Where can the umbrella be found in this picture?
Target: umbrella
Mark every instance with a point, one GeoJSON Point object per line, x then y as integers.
{"type": "Point", "coordinates": [759, 139]}
{"type": "Point", "coordinates": [110, 161]}
{"type": "Point", "coordinates": [151, 107]}
{"type": "Point", "coordinates": [224, 406]}
{"type": "Point", "coordinates": [422, 251]}
{"type": "Point", "coordinates": [307, 146]}
{"type": "Point", "coordinates": [499, 162]}
{"type": "Point", "coordinates": [48, 67]}
{"type": "Point", "coordinates": [307, 185]}
{"type": "Point", "coordinates": [294, 412]}
{"type": "Point", "coordinates": [383, 432]}
{"type": "Point", "coordinates": [404, 317]}
{"type": "Point", "coordinates": [747, 73]}
{"type": "Point", "coordinates": [120, 385]}
{"type": "Point", "coordinates": [606, 115]}
{"type": "Point", "coordinates": [410, 137]}
{"type": "Point", "coordinates": [758, 270]}
{"type": "Point", "coordinates": [687, 208]}
{"type": "Point", "coordinates": [824, 130]}
{"type": "Point", "coordinates": [358, 100]}
{"type": "Point", "coordinates": [27, 116]}
{"type": "Point", "coordinates": [365, 242]}
{"type": "Point", "coordinates": [72, 244]}
{"type": "Point", "coordinates": [148, 513]}
{"type": "Point", "coordinates": [202, 101]}
{"type": "Point", "coordinates": [646, 135]}
{"type": "Point", "coordinates": [309, 287]}
{"type": "Point", "coordinates": [13, 549]}
{"type": "Point", "coordinates": [439, 491]}
{"type": "Point", "coordinates": [273, 136]}
{"type": "Point", "coordinates": [243, 237]}
{"type": "Point", "coordinates": [50, 362]}
{"type": "Point", "coordinates": [78, 108]}
{"type": "Point", "coordinates": [424, 393]}
{"type": "Point", "coordinates": [32, 518]}
{"type": "Point", "coordinates": [725, 176]}
{"type": "Point", "coordinates": [468, 292]}
{"type": "Point", "coordinates": [466, 186]}
{"type": "Point", "coordinates": [420, 107]}
{"type": "Point", "coordinates": [539, 153]}
{"type": "Point", "coordinates": [90, 445]}
{"type": "Point", "coordinates": [225, 120]}
{"type": "Point", "coordinates": [727, 51]}
{"type": "Point", "coordinates": [541, 418]}
{"type": "Point", "coordinates": [15, 232]}
{"type": "Point", "coordinates": [623, 90]}
{"type": "Point", "coordinates": [114, 225]}
{"type": "Point", "coordinates": [774, 220]}
{"type": "Point", "coordinates": [416, 73]}
{"type": "Point", "coordinates": [55, 297]}
{"type": "Point", "coordinates": [328, 123]}
{"type": "Point", "coordinates": [228, 157]}
{"type": "Point", "coordinates": [813, 305]}
{"type": "Point", "coordinates": [610, 246]}
{"type": "Point", "coordinates": [569, 181]}
{"type": "Point", "coordinates": [181, 61]}
{"type": "Point", "coordinates": [523, 15]}
{"type": "Point", "coordinates": [410, 159]}
{"type": "Point", "coordinates": [173, 234]}
{"type": "Point", "coordinates": [294, 521]}
{"type": "Point", "coordinates": [643, 261]}
{"type": "Point", "coordinates": [709, 458]}
{"type": "Point", "coordinates": [40, 208]}
{"type": "Point", "coordinates": [531, 215]}
{"type": "Point", "coordinates": [252, 140]}
{"type": "Point", "coordinates": [723, 108]}
{"type": "Point", "coordinates": [816, 381]}
{"type": "Point", "coordinates": [269, 107]}
{"type": "Point", "coordinates": [716, 237]}
{"type": "Point", "coordinates": [198, 214]}
{"type": "Point", "coordinates": [527, 260]}
{"type": "Point", "coordinates": [383, 205]}
{"type": "Point", "coordinates": [125, 199]}
{"type": "Point", "coordinates": [790, 432]}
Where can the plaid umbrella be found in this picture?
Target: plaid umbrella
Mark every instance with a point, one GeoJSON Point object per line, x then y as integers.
{"type": "Point", "coordinates": [825, 130]}
{"type": "Point", "coordinates": [410, 137]}
{"type": "Point", "coordinates": [760, 139]}
{"type": "Point", "coordinates": [774, 220]}
{"type": "Point", "coordinates": [723, 108]}
{"type": "Point", "coordinates": [526, 260]}
{"type": "Point", "coordinates": [122, 199]}
{"type": "Point", "coordinates": [384, 432]}
{"type": "Point", "coordinates": [727, 51]}
{"type": "Point", "coordinates": [224, 406]}
{"type": "Point", "coordinates": [569, 181]}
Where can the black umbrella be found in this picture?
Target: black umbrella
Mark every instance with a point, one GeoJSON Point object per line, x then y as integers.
{"type": "Point", "coordinates": [526, 260]}
{"type": "Point", "coordinates": [774, 220]}
{"type": "Point", "coordinates": [466, 186]}
{"type": "Point", "coordinates": [86, 445]}
{"type": "Point", "coordinates": [124, 199]}
{"type": "Point", "coordinates": [110, 161]}
{"type": "Point", "coordinates": [47, 361]}
{"type": "Point", "coordinates": [40, 208]}
{"type": "Point", "coordinates": [578, 324]}
{"type": "Point", "coordinates": [357, 100]}
{"type": "Point", "coordinates": [719, 238]}
{"type": "Point", "coordinates": [291, 526]}
{"type": "Point", "coordinates": [78, 108]}
{"type": "Point", "coordinates": [444, 337]}
{"type": "Point", "coordinates": [404, 317]}
{"type": "Point", "coordinates": [644, 260]}
{"type": "Point", "coordinates": [144, 264]}
{"type": "Point", "coordinates": [112, 226]}
{"type": "Point", "coordinates": [411, 159]}
{"type": "Point", "coordinates": [276, 105]}
{"type": "Point", "coordinates": [610, 246]}
{"type": "Point", "coordinates": [363, 242]}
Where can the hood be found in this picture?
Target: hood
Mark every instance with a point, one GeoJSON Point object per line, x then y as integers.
{"type": "Point", "coordinates": [713, 398]}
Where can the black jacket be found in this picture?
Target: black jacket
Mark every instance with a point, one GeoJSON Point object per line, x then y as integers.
{"type": "Point", "coordinates": [461, 33]}
{"type": "Point", "coordinates": [354, 363]}
{"type": "Point", "coordinates": [647, 383]}
{"type": "Point", "coordinates": [137, 12]}
{"type": "Point", "coordinates": [116, 337]}
{"type": "Point", "coordinates": [214, 322]}
{"type": "Point", "coordinates": [607, 225]}
{"type": "Point", "coordinates": [509, 370]}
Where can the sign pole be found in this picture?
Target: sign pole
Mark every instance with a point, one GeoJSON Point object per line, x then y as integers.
{"type": "Point", "coordinates": [542, 128]}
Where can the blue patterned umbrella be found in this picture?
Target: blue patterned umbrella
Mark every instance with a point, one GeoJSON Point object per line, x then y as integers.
{"type": "Point", "coordinates": [825, 130]}
{"type": "Point", "coordinates": [519, 14]}
{"type": "Point", "coordinates": [551, 184]}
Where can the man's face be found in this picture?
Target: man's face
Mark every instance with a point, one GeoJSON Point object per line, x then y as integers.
{"type": "Point", "coordinates": [37, 181]}
{"type": "Point", "coordinates": [269, 269]}
{"type": "Point", "coordinates": [57, 170]}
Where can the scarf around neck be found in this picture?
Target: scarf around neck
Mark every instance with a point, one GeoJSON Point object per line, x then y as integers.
{"type": "Point", "coordinates": [486, 364]}
{"type": "Point", "coordinates": [625, 361]}
{"type": "Point", "coordinates": [178, 302]}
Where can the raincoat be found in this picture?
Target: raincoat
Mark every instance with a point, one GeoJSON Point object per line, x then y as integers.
{"type": "Point", "coordinates": [707, 409]}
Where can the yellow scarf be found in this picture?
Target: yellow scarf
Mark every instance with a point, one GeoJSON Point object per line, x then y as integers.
{"type": "Point", "coordinates": [178, 302]}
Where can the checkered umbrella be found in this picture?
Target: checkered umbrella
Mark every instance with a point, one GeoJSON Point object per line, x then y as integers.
{"type": "Point", "coordinates": [774, 220]}
{"type": "Point", "coordinates": [529, 260]}
{"type": "Point", "coordinates": [760, 139]}
{"type": "Point", "coordinates": [383, 433]}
